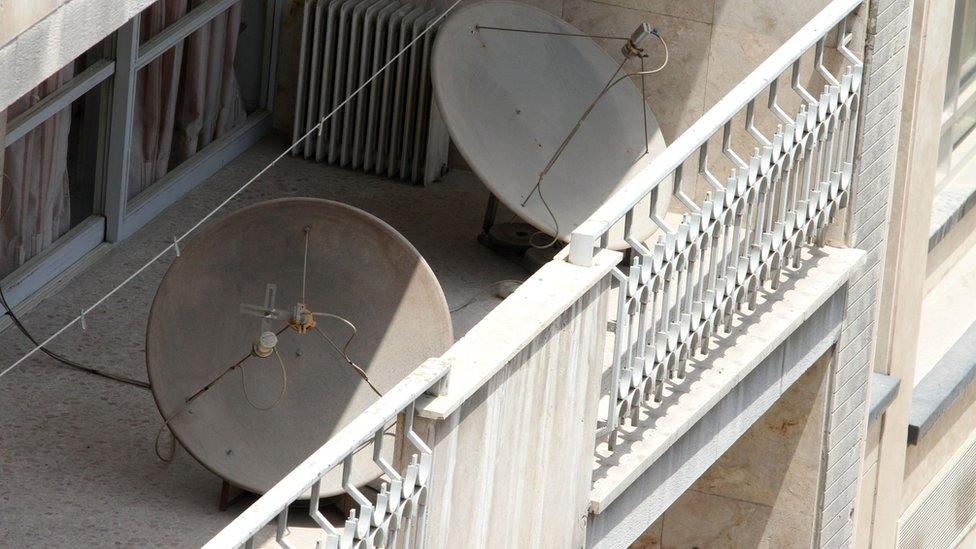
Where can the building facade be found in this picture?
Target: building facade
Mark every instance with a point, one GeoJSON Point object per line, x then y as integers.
{"type": "Point", "coordinates": [787, 363]}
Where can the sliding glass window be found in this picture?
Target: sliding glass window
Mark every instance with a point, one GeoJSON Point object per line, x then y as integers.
{"type": "Point", "coordinates": [958, 140]}
{"type": "Point", "coordinates": [201, 73]}
{"type": "Point", "coordinates": [186, 98]}
{"type": "Point", "coordinates": [52, 180]}
{"type": "Point", "coordinates": [108, 142]}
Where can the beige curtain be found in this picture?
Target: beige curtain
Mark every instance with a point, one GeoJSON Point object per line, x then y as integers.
{"type": "Point", "coordinates": [210, 101]}
{"type": "Point", "coordinates": [184, 100]}
{"type": "Point", "coordinates": [157, 86]}
{"type": "Point", "coordinates": [34, 197]}
{"type": "Point", "coordinates": [187, 97]}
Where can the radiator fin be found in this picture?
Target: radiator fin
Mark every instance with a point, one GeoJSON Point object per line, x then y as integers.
{"type": "Point", "coordinates": [391, 127]}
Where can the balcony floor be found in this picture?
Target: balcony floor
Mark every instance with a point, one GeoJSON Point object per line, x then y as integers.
{"type": "Point", "coordinates": [77, 466]}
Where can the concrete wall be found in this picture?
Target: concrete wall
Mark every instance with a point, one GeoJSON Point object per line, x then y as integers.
{"type": "Point", "coordinates": [869, 477]}
{"type": "Point", "coordinates": [884, 485]}
{"type": "Point", "coordinates": [512, 462]}
{"type": "Point", "coordinates": [943, 400]}
{"type": "Point", "coordinates": [925, 460]}
{"type": "Point", "coordinates": [946, 254]}
{"type": "Point", "coordinates": [57, 39]}
{"type": "Point", "coordinates": [16, 16]}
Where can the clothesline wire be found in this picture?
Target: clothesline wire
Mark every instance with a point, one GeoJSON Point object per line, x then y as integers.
{"type": "Point", "coordinates": [232, 196]}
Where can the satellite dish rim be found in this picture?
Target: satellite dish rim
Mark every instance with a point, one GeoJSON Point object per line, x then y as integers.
{"type": "Point", "coordinates": [440, 307]}
{"type": "Point", "coordinates": [516, 207]}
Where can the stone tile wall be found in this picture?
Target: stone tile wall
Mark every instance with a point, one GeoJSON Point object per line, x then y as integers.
{"type": "Point", "coordinates": [889, 23]}
{"type": "Point", "coordinates": [713, 44]}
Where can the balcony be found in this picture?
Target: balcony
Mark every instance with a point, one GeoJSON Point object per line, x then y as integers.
{"type": "Point", "coordinates": [590, 398]}
{"type": "Point", "coordinates": [101, 479]}
{"type": "Point", "coordinates": [662, 356]}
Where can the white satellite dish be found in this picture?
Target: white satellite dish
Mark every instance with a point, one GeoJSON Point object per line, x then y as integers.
{"type": "Point", "coordinates": [509, 99]}
{"type": "Point", "coordinates": [212, 308]}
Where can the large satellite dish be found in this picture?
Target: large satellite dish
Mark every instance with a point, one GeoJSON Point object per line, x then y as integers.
{"type": "Point", "coordinates": [509, 99]}
{"type": "Point", "coordinates": [209, 313]}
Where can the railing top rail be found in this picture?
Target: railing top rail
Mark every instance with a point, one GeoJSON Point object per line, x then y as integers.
{"type": "Point", "coordinates": [330, 455]}
{"type": "Point", "coordinates": [511, 327]}
{"type": "Point", "coordinates": [689, 142]}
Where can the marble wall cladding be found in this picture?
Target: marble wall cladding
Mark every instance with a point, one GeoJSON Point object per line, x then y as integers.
{"type": "Point", "coordinates": [651, 538]}
{"type": "Point", "coordinates": [788, 439]}
{"type": "Point", "coordinates": [695, 10]}
{"type": "Point", "coordinates": [713, 44]}
{"type": "Point", "coordinates": [762, 492]}
{"type": "Point", "coordinates": [675, 94]}
{"type": "Point", "coordinates": [552, 6]}
{"type": "Point", "coordinates": [774, 18]}
{"type": "Point", "coordinates": [728, 523]}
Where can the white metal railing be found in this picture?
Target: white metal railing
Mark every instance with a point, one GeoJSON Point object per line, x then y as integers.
{"type": "Point", "coordinates": [676, 294]}
{"type": "Point", "coordinates": [394, 517]}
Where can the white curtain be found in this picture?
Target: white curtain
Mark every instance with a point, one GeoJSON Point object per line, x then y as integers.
{"type": "Point", "coordinates": [187, 97]}
{"type": "Point", "coordinates": [34, 197]}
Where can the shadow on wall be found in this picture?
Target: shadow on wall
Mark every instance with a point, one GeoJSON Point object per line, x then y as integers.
{"type": "Point", "coordinates": [713, 45]}
{"type": "Point", "coordinates": [763, 490]}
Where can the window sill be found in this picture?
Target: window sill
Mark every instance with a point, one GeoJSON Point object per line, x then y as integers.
{"type": "Point", "coordinates": [884, 388]}
{"type": "Point", "coordinates": [951, 203]}
{"type": "Point", "coordinates": [942, 386]}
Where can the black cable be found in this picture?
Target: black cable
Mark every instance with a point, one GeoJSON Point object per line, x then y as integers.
{"type": "Point", "coordinates": [64, 360]}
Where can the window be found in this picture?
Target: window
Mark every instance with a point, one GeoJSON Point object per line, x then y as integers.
{"type": "Point", "coordinates": [190, 94]}
{"type": "Point", "coordinates": [198, 91]}
{"type": "Point", "coordinates": [958, 140]}
{"type": "Point", "coordinates": [113, 138]}
{"type": "Point", "coordinates": [52, 157]}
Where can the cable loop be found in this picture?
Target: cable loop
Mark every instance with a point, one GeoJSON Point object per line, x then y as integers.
{"type": "Point", "coordinates": [281, 392]}
{"type": "Point", "coordinates": [613, 81]}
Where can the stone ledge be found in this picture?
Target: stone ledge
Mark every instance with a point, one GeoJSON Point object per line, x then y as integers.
{"type": "Point", "coordinates": [883, 391]}
{"type": "Point", "coordinates": [46, 46]}
{"type": "Point", "coordinates": [951, 204]}
{"type": "Point", "coordinates": [509, 328]}
{"type": "Point", "coordinates": [940, 388]}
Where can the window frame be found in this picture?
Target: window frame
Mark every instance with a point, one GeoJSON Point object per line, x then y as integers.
{"type": "Point", "coordinates": [126, 216]}
{"type": "Point", "coordinates": [960, 97]}
{"type": "Point", "coordinates": [114, 217]}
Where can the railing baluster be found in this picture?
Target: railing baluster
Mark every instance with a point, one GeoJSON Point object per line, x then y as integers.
{"type": "Point", "coordinates": [393, 514]}
{"type": "Point", "coordinates": [281, 529]}
{"type": "Point", "coordinates": [709, 269]}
